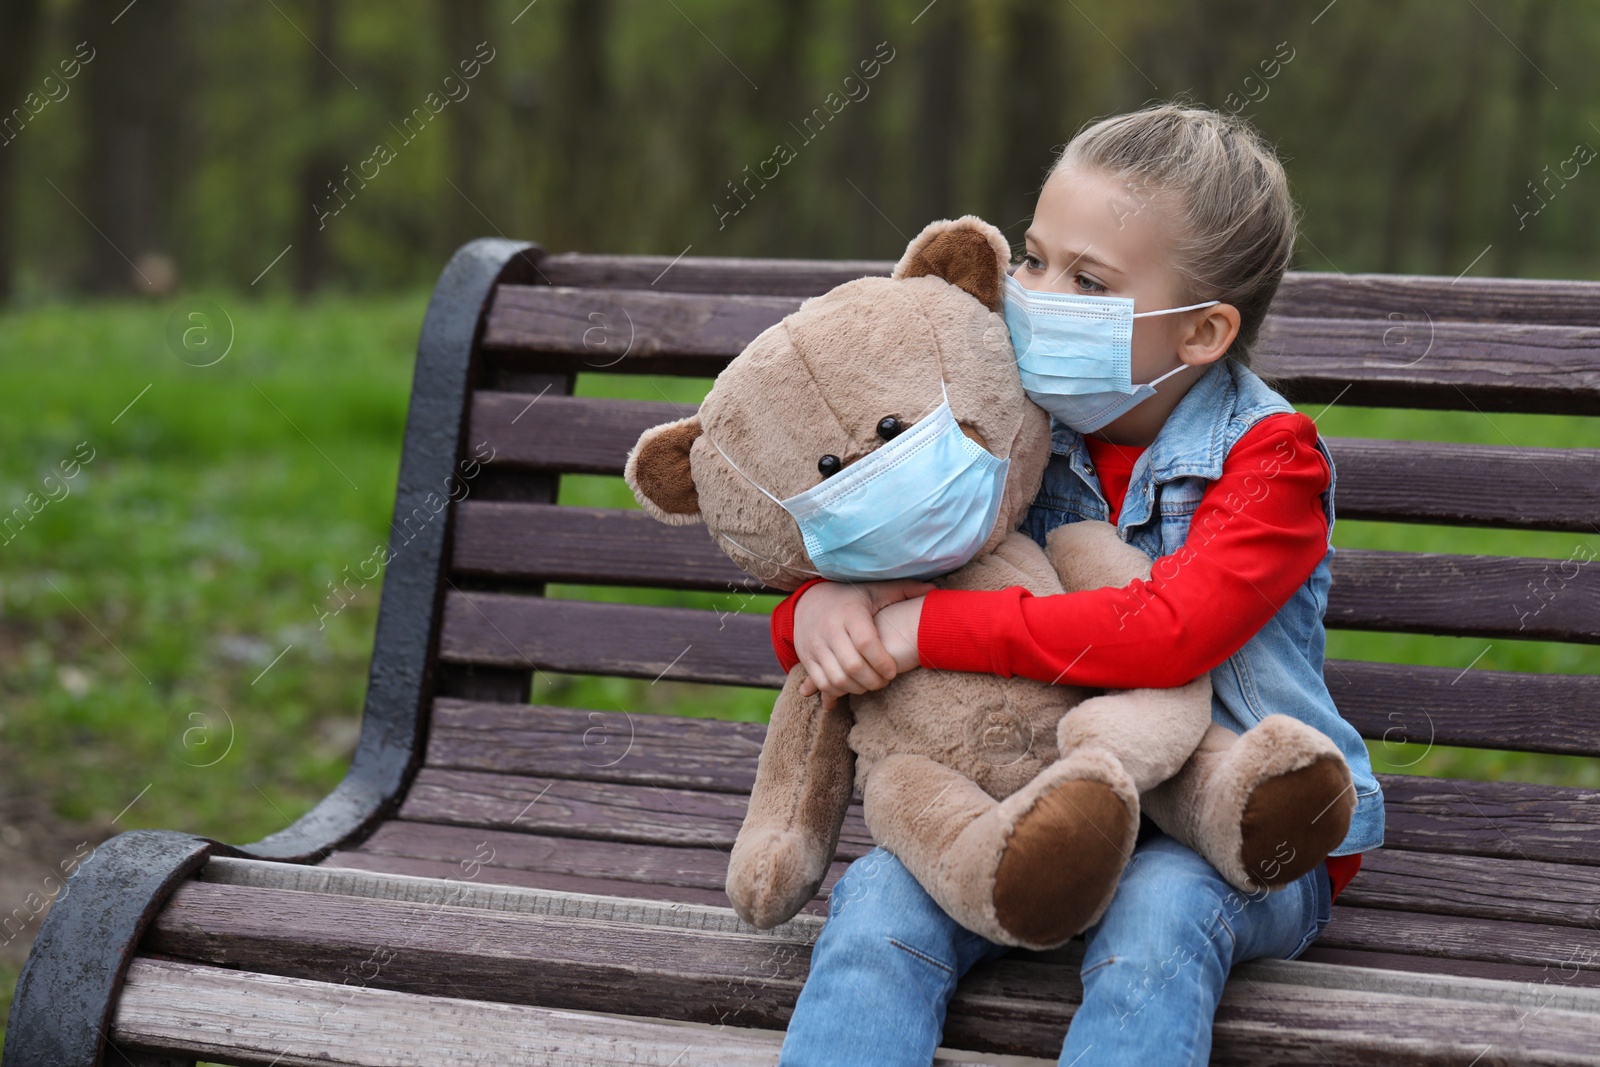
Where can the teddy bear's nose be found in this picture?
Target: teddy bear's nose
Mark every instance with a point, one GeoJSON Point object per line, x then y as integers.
{"type": "Point", "coordinates": [974, 434]}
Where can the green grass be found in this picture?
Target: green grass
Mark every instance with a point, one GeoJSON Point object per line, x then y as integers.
{"type": "Point", "coordinates": [162, 661]}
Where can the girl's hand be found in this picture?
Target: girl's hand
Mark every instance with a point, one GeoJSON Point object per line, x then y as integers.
{"type": "Point", "coordinates": [838, 641]}
{"type": "Point", "coordinates": [897, 627]}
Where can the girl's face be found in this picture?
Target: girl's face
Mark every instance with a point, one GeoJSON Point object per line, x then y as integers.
{"type": "Point", "coordinates": [1092, 235]}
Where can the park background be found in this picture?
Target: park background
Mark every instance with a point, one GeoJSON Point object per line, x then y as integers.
{"type": "Point", "coordinates": [170, 652]}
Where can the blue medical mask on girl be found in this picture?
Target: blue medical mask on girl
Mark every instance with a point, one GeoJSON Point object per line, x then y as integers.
{"type": "Point", "coordinates": [1075, 353]}
{"type": "Point", "coordinates": [918, 506]}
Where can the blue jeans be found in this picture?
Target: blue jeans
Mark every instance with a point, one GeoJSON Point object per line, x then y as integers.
{"type": "Point", "coordinates": [888, 959]}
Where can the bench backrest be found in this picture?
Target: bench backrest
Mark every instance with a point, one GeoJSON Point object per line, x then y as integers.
{"type": "Point", "coordinates": [511, 333]}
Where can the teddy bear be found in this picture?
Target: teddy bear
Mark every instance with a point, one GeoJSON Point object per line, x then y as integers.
{"type": "Point", "coordinates": [1014, 802]}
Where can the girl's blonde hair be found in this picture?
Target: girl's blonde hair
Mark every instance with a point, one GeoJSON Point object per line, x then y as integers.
{"type": "Point", "coordinates": [1221, 182]}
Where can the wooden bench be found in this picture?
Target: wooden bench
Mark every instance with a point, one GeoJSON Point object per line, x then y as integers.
{"type": "Point", "coordinates": [495, 880]}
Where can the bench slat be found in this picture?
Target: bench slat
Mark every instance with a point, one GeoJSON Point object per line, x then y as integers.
{"type": "Point", "coordinates": [1307, 293]}
{"type": "Point", "coordinates": [378, 862]}
{"type": "Point", "coordinates": [1483, 887]}
{"type": "Point", "coordinates": [243, 1017]}
{"type": "Point", "coordinates": [1510, 820]}
{"type": "Point", "coordinates": [1395, 481]}
{"type": "Point", "coordinates": [1411, 592]}
{"type": "Point", "coordinates": [722, 977]}
{"type": "Point", "coordinates": [1392, 702]}
{"type": "Point", "coordinates": [1487, 366]}
{"type": "Point", "coordinates": [1378, 885]}
{"type": "Point", "coordinates": [1453, 937]}
{"type": "Point", "coordinates": [646, 870]}
{"type": "Point", "coordinates": [610, 811]}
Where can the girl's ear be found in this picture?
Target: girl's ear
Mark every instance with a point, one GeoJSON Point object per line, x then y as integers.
{"type": "Point", "coordinates": [966, 252]}
{"type": "Point", "coordinates": [658, 472]}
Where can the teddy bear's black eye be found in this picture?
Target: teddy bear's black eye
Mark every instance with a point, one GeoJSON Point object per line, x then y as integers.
{"type": "Point", "coordinates": [889, 427]}
{"type": "Point", "coordinates": [829, 466]}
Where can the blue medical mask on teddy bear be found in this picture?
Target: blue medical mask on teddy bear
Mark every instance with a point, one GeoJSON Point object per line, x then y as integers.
{"type": "Point", "coordinates": [1075, 353]}
{"type": "Point", "coordinates": [918, 506]}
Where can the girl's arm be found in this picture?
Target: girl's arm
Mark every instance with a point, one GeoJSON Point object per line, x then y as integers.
{"type": "Point", "coordinates": [839, 641]}
{"type": "Point", "coordinates": [1257, 534]}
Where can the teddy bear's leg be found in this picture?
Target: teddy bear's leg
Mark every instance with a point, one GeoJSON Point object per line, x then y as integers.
{"type": "Point", "coordinates": [1031, 870]}
{"type": "Point", "coordinates": [1151, 732]}
{"type": "Point", "coordinates": [1263, 807]}
{"type": "Point", "coordinates": [804, 778]}
{"type": "Point", "coordinates": [1092, 555]}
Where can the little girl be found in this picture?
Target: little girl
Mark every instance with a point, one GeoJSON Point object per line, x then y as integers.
{"type": "Point", "coordinates": [1227, 488]}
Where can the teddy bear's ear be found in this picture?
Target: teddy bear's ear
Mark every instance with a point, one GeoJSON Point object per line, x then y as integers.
{"type": "Point", "coordinates": [966, 252]}
{"type": "Point", "coordinates": [658, 471]}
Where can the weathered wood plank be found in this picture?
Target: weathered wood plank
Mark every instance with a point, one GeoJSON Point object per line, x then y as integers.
{"type": "Point", "coordinates": [1392, 702]}
{"type": "Point", "coordinates": [715, 976]}
{"type": "Point", "coordinates": [242, 1017]}
{"type": "Point", "coordinates": [1560, 948]}
{"type": "Point", "coordinates": [607, 746]}
{"type": "Point", "coordinates": [1512, 820]}
{"type": "Point", "coordinates": [631, 640]}
{"type": "Point", "coordinates": [611, 811]}
{"type": "Point", "coordinates": [1408, 592]}
{"type": "Point", "coordinates": [1415, 297]}
{"type": "Point", "coordinates": [497, 874]}
{"type": "Point", "coordinates": [1378, 961]}
{"type": "Point", "coordinates": [1395, 481]}
{"type": "Point", "coordinates": [1484, 887]}
{"type": "Point", "coordinates": [1490, 366]}
{"type": "Point", "coordinates": [642, 867]}
{"type": "Point", "coordinates": [1509, 820]}
{"type": "Point", "coordinates": [468, 888]}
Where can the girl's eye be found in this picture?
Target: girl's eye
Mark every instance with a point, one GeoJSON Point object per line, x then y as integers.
{"type": "Point", "coordinates": [1088, 284]}
{"type": "Point", "coordinates": [1032, 262]}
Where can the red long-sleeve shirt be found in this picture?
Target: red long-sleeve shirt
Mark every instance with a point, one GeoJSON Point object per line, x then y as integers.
{"type": "Point", "coordinates": [1257, 534]}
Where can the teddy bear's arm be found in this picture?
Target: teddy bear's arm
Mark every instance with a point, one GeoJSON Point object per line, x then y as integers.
{"type": "Point", "coordinates": [804, 780]}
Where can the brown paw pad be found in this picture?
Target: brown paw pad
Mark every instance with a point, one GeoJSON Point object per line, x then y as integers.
{"type": "Point", "coordinates": [1294, 820]}
{"type": "Point", "coordinates": [1062, 862]}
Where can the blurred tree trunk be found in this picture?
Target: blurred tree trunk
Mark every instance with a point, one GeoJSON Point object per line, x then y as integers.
{"type": "Point", "coordinates": [941, 55]}
{"type": "Point", "coordinates": [581, 136]}
{"type": "Point", "coordinates": [1030, 119]}
{"type": "Point", "coordinates": [782, 99]}
{"type": "Point", "coordinates": [18, 20]}
{"type": "Point", "coordinates": [320, 164]}
{"type": "Point", "coordinates": [1466, 124]}
{"type": "Point", "coordinates": [130, 105]}
{"type": "Point", "coordinates": [1523, 164]}
{"type": "Point", "coordinates": [473, 208]}
{"type": "Point", "coordinates": [859, 154]}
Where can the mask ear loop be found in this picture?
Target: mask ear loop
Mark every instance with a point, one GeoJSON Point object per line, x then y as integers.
{"type": "Point", "coordinates": [1169, 311]}
{"type": "Point", "coordinates": [764, 559]}
{"type": "Point", "coordinates": [741, 473]}
{"type": "Point", "coordinates": [775, 500]}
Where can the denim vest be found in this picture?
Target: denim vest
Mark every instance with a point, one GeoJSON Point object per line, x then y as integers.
{"type": "Point", "coordinates": [1280, 668]}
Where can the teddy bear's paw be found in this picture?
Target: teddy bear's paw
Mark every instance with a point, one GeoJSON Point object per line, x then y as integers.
{"type": "Point", "coordinates": [1069, 842]}
{"type": "Point", "coordinates": [771, 875]}
{"type": "Point", "coordinates": [1287, 789]}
